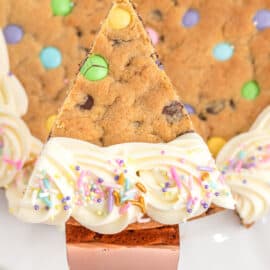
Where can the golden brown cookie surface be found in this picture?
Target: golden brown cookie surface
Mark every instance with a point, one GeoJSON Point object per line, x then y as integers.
{"type": "Point", "coordinates": [213, 88]}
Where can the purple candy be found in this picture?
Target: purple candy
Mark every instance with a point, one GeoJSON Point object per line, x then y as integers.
{"type": "Point", "coordinates": [13, 33]}
{"type": "Point", "coordinates": [190, 18]}
{"type": "Point", "coordinates": [262, 19]}
{"type": "Point", "coordinates": [190, 109]}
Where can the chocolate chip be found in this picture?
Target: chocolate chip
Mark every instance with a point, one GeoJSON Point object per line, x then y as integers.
{"type": "Point", "coordinates": [88, 103]}
{"type": "Point", "coordinates": [157, 15]}
{"type": "Point", "coordinates": [118, 42]}
{"type": "Point", "coordinates": [232, 104]}
{"type": "Point", "coordinates": [79, 32]}
{"type": "Point", "coordinates": [173, 111]}
{"type": "Point", "coordinates": [162, 38]}
{"type": "Point", "coordinates": [175, 2]}
{"type": "Point", "coordinates": [202, 116]}
{"type": "Point", "coordinates": [137, 124]}
{"type": "Point", "coordinates": [215, 107]}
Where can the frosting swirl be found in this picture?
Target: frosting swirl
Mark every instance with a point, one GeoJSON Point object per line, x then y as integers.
{"type": "Point", "coordinates": [12, 93]}
{"type": "Point", "coordinates": [108, 188]}
{"type": "Point", "coordinates": [16, 189]}
{"type": "Point", "coordinates": [15, 141]}
{"type": "Point", "coordinates": [245, 165]}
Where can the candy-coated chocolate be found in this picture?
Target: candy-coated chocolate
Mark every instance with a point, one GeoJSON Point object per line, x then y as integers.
{"type": "Point", "coordinates": [119, 18]}
{"type": "Point", "coordinates": [61, 7]}
{"type": "Point", "coordinates": [95, 68]}
{"type": "Point", "coordinates": [50, 57]}
{"type": "Point", "coordinates": [215, 144]}
{"type": "Point", "coordinates": [250, 90]}
{"type": "Point", "coordinates": [223, 51]}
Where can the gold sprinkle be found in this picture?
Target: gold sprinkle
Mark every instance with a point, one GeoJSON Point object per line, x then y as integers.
{"type": "Point", "coordinates": [116, 197]}
{"type": "Point", "coordinates": [141, 187]}
{"type": "Point", "coordinates": [30, 162]}
{"type": "Point", "coordinates": [140, 204]}
{"type": "Point", "coordinates": [121, 179]}
{"type": "Point", "coordinates": [59, 196]}
{"type": "Point", "coordinates": [205, 176]}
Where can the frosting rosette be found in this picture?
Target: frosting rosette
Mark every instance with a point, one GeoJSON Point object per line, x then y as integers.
{"type": "Point", "coordinates": [107, 188]}
{"type": "Point", "coordinates": [15, 143]}
{"type": "Point", "coordinates": [12, 93]}
{"type": "Point", "coordinates": [245, 165]}
{"type": "Point", "coordinates": [16, 189]}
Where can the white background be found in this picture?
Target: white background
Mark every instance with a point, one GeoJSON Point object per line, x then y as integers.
{"type": "Point", "coordinates": [215, 242]}
{"type": "Point", "coordinates": [29, 246]}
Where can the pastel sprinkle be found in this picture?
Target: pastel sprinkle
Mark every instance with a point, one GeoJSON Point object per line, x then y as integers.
{"type": "Point", "coordinates": [175, 177]}
{"type": "Point", "coordinates": [190, 109]}
{"type": "Point", "coordinates": [205, 168]}
{"type": "Point", "coordinates": [110, 200]}
{"type": "Point", "coordinates": [124, 208]}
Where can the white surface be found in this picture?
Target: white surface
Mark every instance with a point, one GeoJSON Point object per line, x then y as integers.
{"type": "Point", "coordinates": [29, 246]}
{"type": "Point", "coordinates": [215, 242]}
{"type": "Point", "coordinates": [219, 242]}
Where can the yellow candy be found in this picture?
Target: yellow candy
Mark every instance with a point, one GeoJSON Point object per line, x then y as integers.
{"type": "Point", "coordinates": [50, 122]}
{"type": "Point", "coordinates": [119, 18]}
{"type": "Point", "coordinates": [215, 144]}
{"type": "Point", "coordinates": [59, 196]}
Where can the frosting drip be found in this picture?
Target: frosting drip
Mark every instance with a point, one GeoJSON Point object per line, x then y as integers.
{"type": "Point", "coordinates": [108, 188]}
{"type": "Point", "coordinates": [245, 166]}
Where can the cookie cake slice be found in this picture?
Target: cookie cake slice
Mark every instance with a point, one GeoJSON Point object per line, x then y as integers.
{"type": "Point", "coordinates": [123, 165]}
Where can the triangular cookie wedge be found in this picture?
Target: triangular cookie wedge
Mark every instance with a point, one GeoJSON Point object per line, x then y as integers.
{"type": "Point", "coordinates": [122, 158]}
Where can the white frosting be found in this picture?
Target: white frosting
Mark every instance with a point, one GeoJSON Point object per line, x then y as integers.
{"type": "Point", "coordinates": [15, 143]}
{"type": "Point", "coordinates": [12, 93]}
{"type": "Point", "coordinates": [15, 190]}
{"type": "Point", "coordinates": [179, 177]}
{"type": "Point", "coordinates": [245, 161]}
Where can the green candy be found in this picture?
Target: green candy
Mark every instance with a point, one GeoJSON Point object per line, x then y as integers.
{"type": "Point", "coordinates": [61, 7]}
{"type": "Point", "coordinates": [250, 90]}
{"type": "Point", "coordinates": [95, 68]}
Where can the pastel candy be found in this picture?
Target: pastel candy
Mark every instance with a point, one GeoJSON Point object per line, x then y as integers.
{"type": "Point", "coordinates": [250, 90]}
{"type": "Point", "coordinates": [191, 18]}
{"type": "Point", "coordinates": [61, 7]}
{"type": "Point", "coordinates": [119, 18]}
{"type": "Point", "coordinates": [262, 19]}
{"type": "Point", "coordinates": [50, 57]}
{"type": "Point", "coordinates": [13, 33]}
{"type": "Point", "coordinates": [153, 35]}
{"type": "Point", "coordinates": [223, 51]}
{"type": "Point", "coordinates": [95, 68]}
